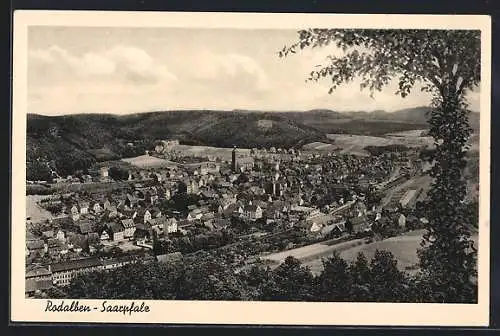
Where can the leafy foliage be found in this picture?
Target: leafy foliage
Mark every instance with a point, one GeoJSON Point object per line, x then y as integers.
{"type": "Point", "coordinates": [447, 64]}
{"type": "Point", "coordinates": [208, 277]}
{"type": "Point", "coordinates": [118, 173]}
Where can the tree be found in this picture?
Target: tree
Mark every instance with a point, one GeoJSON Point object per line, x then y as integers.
{"type": "Point", "coordinates": [118, 173]}
{"type": "Point", "coordinates": [447, 64]}
{"type": "Point", "coordinates": [335, 282]}
{"type": "Point", "coordinates": [290, 282]}
{"type": "Point", "coordinates": [387, 282]}
{"type": "Point", "coordinates": [209, 280]}
{"type": "Point", "coordinates": [361, 279]}
{"type": "Point", "coordinates": [38, 171]}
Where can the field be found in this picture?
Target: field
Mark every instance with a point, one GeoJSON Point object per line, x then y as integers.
{"type": "Point", "coordinates": [395, 194]}
{"type": "Point", "coordinates": [146, 161]}
{"type": "Point", "coordinates": [311, 252]}
{"type": "Point", "coordinates": [222, 152]}
{"type": "Point", "coordinates": [320, 146]}
{"type": "Point", "coordinates": [412, 133]}
{"type": "Point", "coordinates": [355, 144]}
{"type": "Point", "coordinates": [404, 248]}
{"type": "Point", "coordinates": [35, 211]}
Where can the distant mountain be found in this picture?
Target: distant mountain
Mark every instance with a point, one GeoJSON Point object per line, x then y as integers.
{"type": "Point", "coordinates": [416, 115]}
{"type": "Point", "coordinates": [73, 142]}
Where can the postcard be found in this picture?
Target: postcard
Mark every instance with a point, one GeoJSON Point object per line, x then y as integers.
{"type": "Point", "coordinates": [261, 169]}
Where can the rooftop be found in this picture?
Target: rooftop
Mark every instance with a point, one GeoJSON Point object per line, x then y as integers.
{"type": "Point", "coordinates": [75, 264]}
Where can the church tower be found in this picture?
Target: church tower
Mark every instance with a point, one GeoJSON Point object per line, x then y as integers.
{"type": "Point", "coordinates": [233, 160]}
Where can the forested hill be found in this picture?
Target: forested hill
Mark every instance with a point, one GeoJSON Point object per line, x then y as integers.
{"type": "Point", "coordinates": [74, 142]}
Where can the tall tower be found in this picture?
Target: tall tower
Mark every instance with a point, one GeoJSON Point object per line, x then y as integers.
{"type": "Point", "coordinates": [233, 160]}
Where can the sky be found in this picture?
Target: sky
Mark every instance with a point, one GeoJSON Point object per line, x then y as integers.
{"type": "Point", "coordinates": [128, 70]}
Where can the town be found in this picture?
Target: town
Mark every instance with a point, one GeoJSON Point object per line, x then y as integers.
{"type": "Point", "coordinates": [120, 214]}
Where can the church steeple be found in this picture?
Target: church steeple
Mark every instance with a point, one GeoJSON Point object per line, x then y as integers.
{"type": "Point", "coordinates": [233, 160]}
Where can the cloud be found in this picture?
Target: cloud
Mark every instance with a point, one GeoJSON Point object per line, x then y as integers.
{"type": "Point", "coordinates": [227, 71]}
{"type": "Point", "coordinates": [118, 63]}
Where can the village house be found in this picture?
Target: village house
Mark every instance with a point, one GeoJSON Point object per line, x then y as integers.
{"type": "Point", "coordinates": [85, 226]}
{"type": "Point", "coordinates": [96, 208]}
{"type": "Point", "coordinates": [156, 224]}
{"type": "Point", "coordinates": [75, 213]}
{"type": "Point", "coordinates": [129, 228]}
{"type": "Point", "coordinates": [84, 207]}
{"type": "Point", "coordinates": [38, 278]}
{"type": "Point", "coordinates": [131, 201]}
{"type": "Point", "coordinates": [170, 225]}
{"type": "Point", "coordinates": [61, 236]}
{"type": "Point", "coordinates": [116, 231]}
{"type": "Point", "coordinates": [195, 214]}
{"type": "Point", "coordinates": [111, 212]}
{"type": "Point", "coordinates": [142, 215]}
{"type": "Point", "coordinates": [251, 212]}
{"type": "Point", "coordinates": [36, 246]}
{"type": "Point", "coordinates": [104, 236]}
{"type": "Point", "coordinates": [48, 234]}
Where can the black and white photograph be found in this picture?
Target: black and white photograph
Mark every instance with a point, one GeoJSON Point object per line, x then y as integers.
{"type": "Point", "coordinates": [200, 165]}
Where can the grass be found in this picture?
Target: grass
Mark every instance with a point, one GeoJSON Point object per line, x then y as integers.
{"type": "Point", "coordinates": [404, 248]}
{"type": "Point", "coordinates": [146, 161]}
{"type": "Point", "coordinates": [35, 211]}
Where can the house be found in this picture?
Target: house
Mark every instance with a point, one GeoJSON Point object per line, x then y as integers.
{"type": "Point", "coordinates": [337, 227]}
{"type": "Point", "coordinates": [111, 212]}
{"type": "Point", "coordinates": [106, 204]}
{"type": "Point", "coordinates": [48, 234]}
{"type": "Point", "coordinates": [170, 225]}
{"type": "Point", "coordinates": [220, 223]}
{"type": "Point", "coordinates": [129, 228]}
{"type": "Point", "coordinates": [143, 215]}
{"type": "Point", "coordinates": [63, 222]}
{"type": "Point", "coordinates": [156, 224]}
{"type": "Point", "coordinates": [84, 207]}
{"type": "Point", "coordinates": [74, 211]}
{"type": "Point", "coordinates": [196, 214]}
{"type": "Point", "coordinates": [116, 262]}
{"type": "Point", "coordinates": [96, 208]}
{"type": "Point", "coordinates": [208, 217]}
{"type": "Point", "coordinates": [131, 201]}
{"type": "Point", "coordinates": [61, 236]}
{"type": "Point", "coordinates": [130, 213]}
{"type": "Point", "coordinates": [55, 248]}
{"type": "Point", "coordinates": [85, 227]}
{"type": "Point", "coordinates": [36, 246]}
{"type": "Point", "coordinates": [155, 213]}
{"type": "Point", "coordinates": [104, 235]}
{"type": "Point", "coordinates": [64, 272]}
{"type": "Point", "coordinates": [33, 286]}
{"type": "Point", "coordinates": [252, 212]}
{"type": "Point", "coordinates": [143, 230]}
{"type": "Point", "coordinates": [116, 231]}
{"type": "Point", "coordinates": [38, 273]}
{"type": "Point", "coordinates": [183, 224]}
{"type": "Point", "coordinates": [30, 236]}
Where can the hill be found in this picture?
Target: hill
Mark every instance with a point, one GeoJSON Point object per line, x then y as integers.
{"type": "Point", "coordinates": [75, 142]}
{"type": "Point", "coordinates": [414, 115]}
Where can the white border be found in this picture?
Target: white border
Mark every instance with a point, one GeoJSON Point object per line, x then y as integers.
{"type": "Point", "coordinates": [272, 313]}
